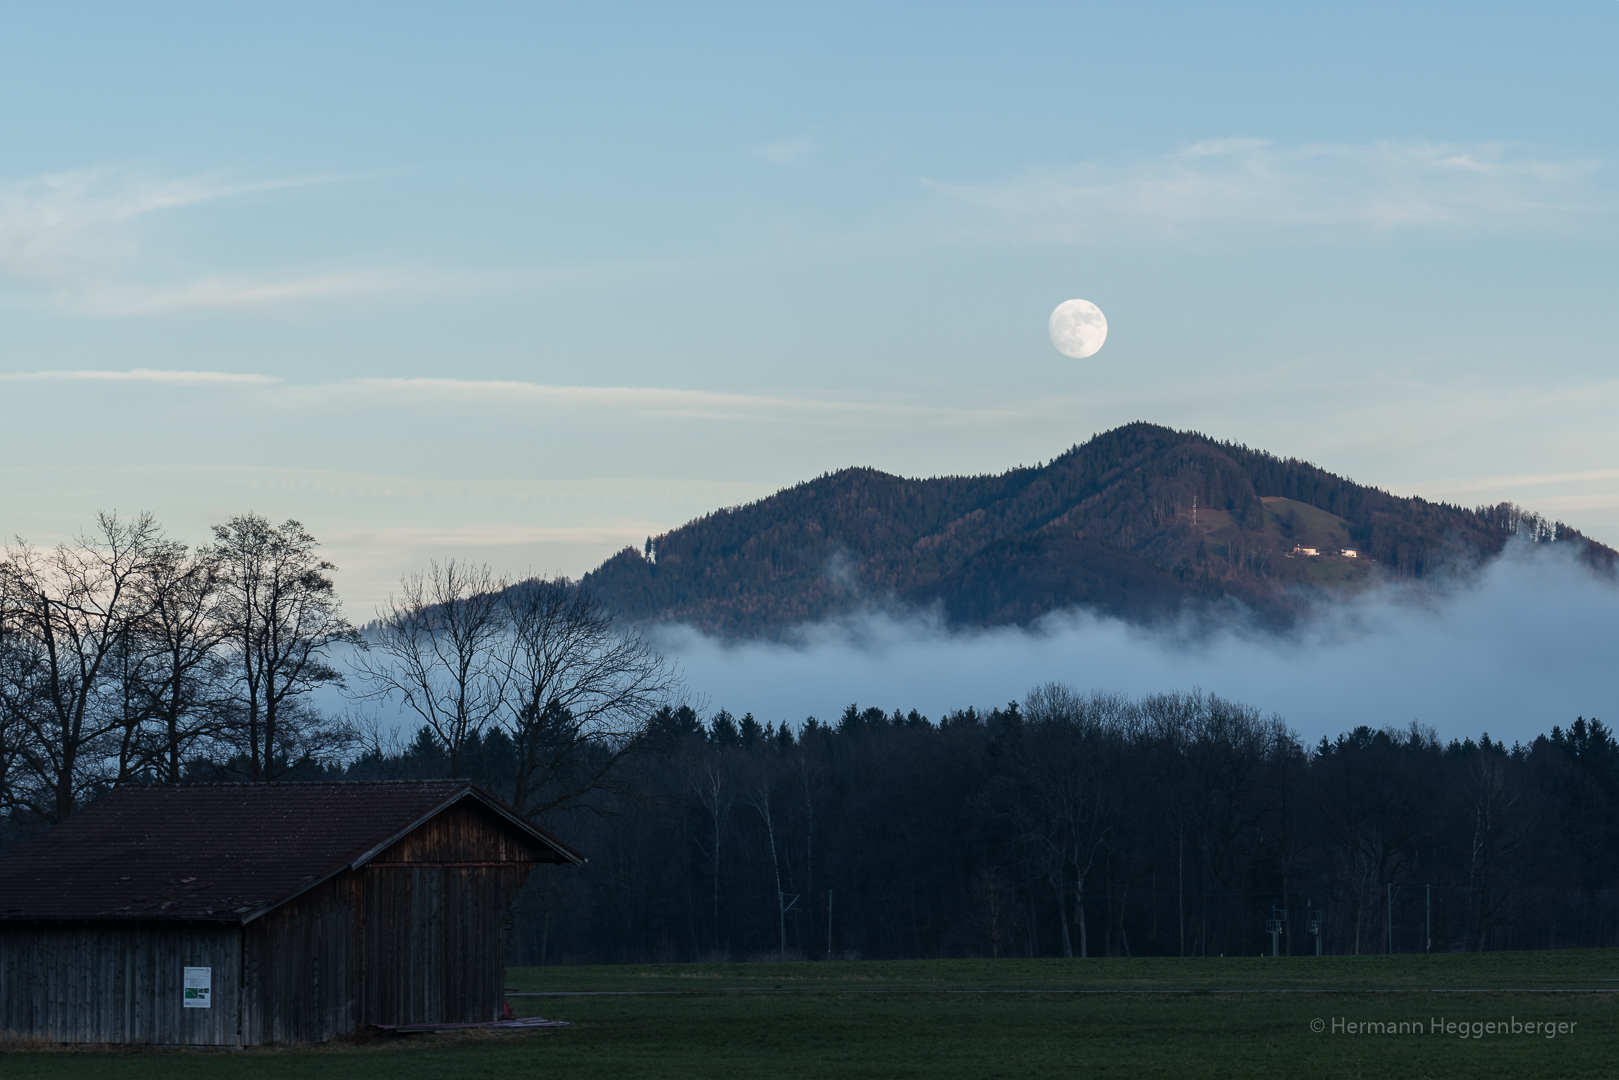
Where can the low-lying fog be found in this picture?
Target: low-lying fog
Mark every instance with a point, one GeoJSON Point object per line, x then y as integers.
{"type": "Point", "coordinates": [1528, 643]}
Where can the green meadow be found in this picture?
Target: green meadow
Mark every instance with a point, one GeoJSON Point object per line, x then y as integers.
{"type": "Point", "coordinates": [1236, 1017]}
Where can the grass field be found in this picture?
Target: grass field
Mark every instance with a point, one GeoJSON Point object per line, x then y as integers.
{"type": "Point", "coordinates": [1236, 1017]}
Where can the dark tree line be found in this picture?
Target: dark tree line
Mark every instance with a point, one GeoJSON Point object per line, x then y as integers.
{"type": "Point", "coordinates": [1083, 826]}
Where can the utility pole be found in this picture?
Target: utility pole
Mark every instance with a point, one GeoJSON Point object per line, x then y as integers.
{"type": "Point", "coordinates": [829, 924]}
{"type": "Point", "coordinates": [1273, 927]}
{"type": "Point", "coordinates": [1312, 923]}
{"type": "Point", "coordinates": [1428, 923]}
{"type": "Point", "coordinates": [786, 906]}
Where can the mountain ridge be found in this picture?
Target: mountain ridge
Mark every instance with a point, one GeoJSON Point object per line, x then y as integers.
{"type": "Point", "coordinates": [1140, 522]}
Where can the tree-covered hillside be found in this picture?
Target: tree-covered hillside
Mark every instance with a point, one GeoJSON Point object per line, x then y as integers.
{"type": "Point", "coordinates": [1136, 522]}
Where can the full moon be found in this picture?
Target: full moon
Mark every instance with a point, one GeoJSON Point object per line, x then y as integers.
{"type": "Point", "coordinates": [1078, 328]}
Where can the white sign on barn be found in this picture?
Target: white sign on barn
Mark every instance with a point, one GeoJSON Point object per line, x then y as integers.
{"type": "Point", "coordinates": [199, 987]}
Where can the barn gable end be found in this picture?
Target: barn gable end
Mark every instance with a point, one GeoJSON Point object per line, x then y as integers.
{"type": "Point", "coordinates": [437, 902]}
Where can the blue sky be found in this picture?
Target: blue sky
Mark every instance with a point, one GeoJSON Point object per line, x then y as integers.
{"type": "Point", "coordinates": [523, 284]}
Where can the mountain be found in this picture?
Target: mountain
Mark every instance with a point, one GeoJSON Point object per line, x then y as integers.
{"type": "Point", "coordinates": [1138, 522]}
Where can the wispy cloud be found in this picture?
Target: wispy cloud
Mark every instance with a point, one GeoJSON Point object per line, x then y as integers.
{"type": "Point", "coordinates": [626, 497]}
{"type": "Point", "coordinates": [1485, 483]}
{"type": "Point", "coordinates": [146, 375]}
{"type": "Point", "coordinates": [792, 151]}
{"type": "Point", "coordinates": [43, 218]}
{"type": "Point", "coordinates": [451, 538]}
{"type": "Point", "coordinates": [94, 241]}
{"type": "Point", "coordinates": [221, 292]}
{"type": "Point", "coordinates": [84, 240]}
{"type": "Point", "coordinates": [372, 559]}
{"type": "Point", "coordinates": [645, 400]}
{"type": "Point", "coordinates": [1252, 183]}
{"type": "Point", "coordinates": [625, 400]}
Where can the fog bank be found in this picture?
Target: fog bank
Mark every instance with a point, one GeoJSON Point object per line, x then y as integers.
{"type": "Point", "coordinates": [1528, 643]}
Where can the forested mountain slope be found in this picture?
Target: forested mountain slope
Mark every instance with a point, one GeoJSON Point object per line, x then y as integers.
{"type": "Point", "coordinates": [1110, 525]}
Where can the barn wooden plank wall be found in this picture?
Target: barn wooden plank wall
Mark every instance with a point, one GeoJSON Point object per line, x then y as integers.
{"type": "Point", "coordinates": [124, 983]}
{"type": "Point", "coordinates": [300, 974]}
{"type": "Point", "coordinates": [416, 935]}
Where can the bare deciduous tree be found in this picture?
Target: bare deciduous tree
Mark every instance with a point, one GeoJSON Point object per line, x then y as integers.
{"type": "Point", "coordinates": [709, 778]}
{"type": "Point", "coordinates": [996, 911]}
{"type": "Point", "coordinates": [758, 796]}
{"type": "Point", "coordinates": [1068, 801]}
{"type": "Point", "coordinates": [582, 694]}
{"type": "Point", "coordinates": [1499, 834]}
{"type": "Point", "coordinates": [23, 683]}
{"type": "Point", "coordinates": [67, 614]}
{"type": "Point", "coordinates": [282, 618]}
{"type": "Point", "coordinates": [180, 639]}
{"type": "Point", "coordinates": [441, 653]}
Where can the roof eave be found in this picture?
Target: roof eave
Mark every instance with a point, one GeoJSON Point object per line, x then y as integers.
{"type": "Point", "coordinates": [568, 854]}
{"type": "Point", "coordinates": [467, 789]}
{"type": "Point", "coordinates": [224, 920]}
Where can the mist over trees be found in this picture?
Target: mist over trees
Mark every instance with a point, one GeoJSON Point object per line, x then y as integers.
{"type": "Point", "coordinates": [1066, 824]}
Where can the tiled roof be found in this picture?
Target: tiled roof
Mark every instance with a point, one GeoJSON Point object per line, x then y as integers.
{"type": "Point", "coordinates": [219, 851]}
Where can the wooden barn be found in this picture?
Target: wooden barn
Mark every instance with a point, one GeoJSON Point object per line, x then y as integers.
{"type": "Point", "coordinates": [238, 914]}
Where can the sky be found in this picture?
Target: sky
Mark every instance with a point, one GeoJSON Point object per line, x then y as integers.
{"type": "Point", "coordinates": [524, 283]}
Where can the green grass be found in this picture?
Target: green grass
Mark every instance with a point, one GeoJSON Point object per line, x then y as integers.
{"type": "Point", "coordinates": [1590, 969]}
{"type": "Point", "coordinates": [1330, 570]}
{"type": "Point", "coordinates": [1320, 528]}
{"type": "Point", "coordinates": [1237, 1017]}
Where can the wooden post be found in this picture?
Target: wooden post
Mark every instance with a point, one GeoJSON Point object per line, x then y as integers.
{"type": "Point", "coordinates": [829, 924]}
